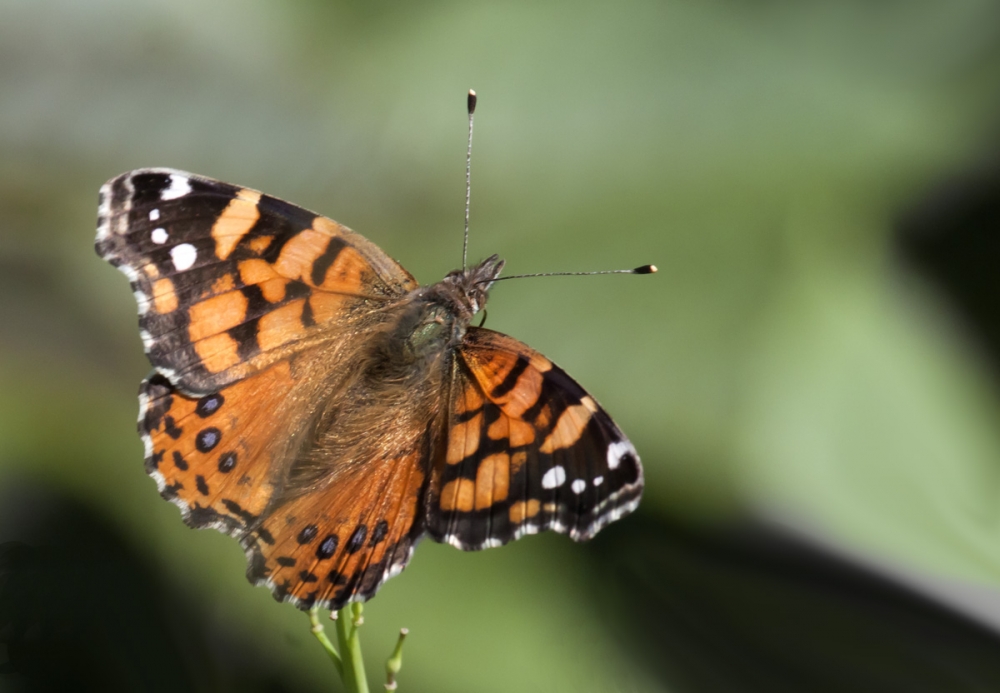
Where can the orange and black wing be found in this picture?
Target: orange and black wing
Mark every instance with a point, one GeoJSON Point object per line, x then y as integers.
{"type": "Point", "coordinates": [341, 543]}
{"type": "Point", "coordinates": [229, 280]}
{"type": "Point", "coordinates": [213, 455]}
{"type": "Point", "coordinates": [246, 304]}
{"type": "Point", "coordinates": [527, 450]}
{"type": "Point", "coordinates": [222, 459]}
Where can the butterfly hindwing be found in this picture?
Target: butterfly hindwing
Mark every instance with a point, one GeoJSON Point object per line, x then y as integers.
{"type": "Point", "coordinates": [341, 544]}
{"type": "Point", "coordinates": [214, 455]}
{"type": "Point", "coordinates": [225, 460]}
{"type": "Point", "coordinates": [527, 450]}
{"type": "Point", "coordinates": [229, 280]}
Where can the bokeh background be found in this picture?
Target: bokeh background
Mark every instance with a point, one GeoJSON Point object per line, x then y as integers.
{"type": "Point", "coordinates": [811, 379]}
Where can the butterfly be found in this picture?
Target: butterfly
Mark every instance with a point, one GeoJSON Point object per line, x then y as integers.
{"type": "Point", "coordinates": [311, 399]}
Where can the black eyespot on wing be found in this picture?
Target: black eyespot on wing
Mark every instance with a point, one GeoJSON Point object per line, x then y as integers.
{"type": "Point", "coordinates": [379, 533]}
{"type": "Point", "coordinates": [227, 461]}
{"type": "Point", "coordinates": [327, 547]}
{"type": "Point", "coordinates": [207, 439]}
{"type": "Point", "coordinates": [357, 539]}
{"type": "Point", "coordinates": [208, 405]}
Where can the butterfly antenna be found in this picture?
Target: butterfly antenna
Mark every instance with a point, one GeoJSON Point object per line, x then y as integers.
{"type": "Point", "coordinates": [468, 179]}
{"type": "Point", "coordinates": [644, 269]}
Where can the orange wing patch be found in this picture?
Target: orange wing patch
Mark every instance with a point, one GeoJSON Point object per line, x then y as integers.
{"type": "Point", "coordinates": [523, 510]}
{"type": "Point", "coordinates": [217, 314]}
{"type": "Point", "coordinates": [458, 494]}
{"type": "Point", "coordinates": [492, 480]}
{"type": "Point", "coordinates": [164, 296]}
{"type": "Point", "coordinates": [235, 222]}
{"type": "Point", "coordinates": [490, 486]}
{"type": "Point", "coordinates": [570, 425]}
{"type": "Point", "coordinates": [463, 439]}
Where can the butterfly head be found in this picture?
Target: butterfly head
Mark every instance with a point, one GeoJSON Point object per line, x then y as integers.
{"type": "Point", "coordinates": [474, 283]}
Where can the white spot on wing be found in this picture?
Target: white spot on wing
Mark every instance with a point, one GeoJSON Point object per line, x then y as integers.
{"type": "Point", "coordinates": [159, 236]}
{"type": "Point", "coordinates": [132, 275]}
{"type": "Point", "coordinates": [618, 450]}
{"type": "Point", "coordinates": [104, 212]}
{"type": "Point", "coordinates": [154, 214]}
{"type": "Point", "coordinates": [179, 187]}
{"type": "Point", "coordinates": [554, 478]}
{"type": "Point", "coordinates": [184, 256]}
{"type": "Point", "coordinates": [147, 444]}
{"type": "Point", "coordinates": [142, 301]}
{"type": "Point", "coordinates": [578, 486]}
{"type": "Point", "coordinates": [598, 480]}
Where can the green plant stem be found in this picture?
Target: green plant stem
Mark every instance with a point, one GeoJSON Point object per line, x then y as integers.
{"type": "Point", "coordinates": [346, 657]}
{"type": "Point", "coordinates": [395, 661]}
{"type": "Point", "coordinates": [320, 633]}
{"type": "Point", "coordinates": [348, 620]}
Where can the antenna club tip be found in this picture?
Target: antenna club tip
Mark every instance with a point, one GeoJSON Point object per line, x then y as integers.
{"type": "Point", "coordinates": [646, 269]}
{"type": "Point", "coordinates": [472, 101]}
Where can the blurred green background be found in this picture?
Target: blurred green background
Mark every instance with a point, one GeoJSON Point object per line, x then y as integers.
{"type": "Point", "coordinates": [783, 366]}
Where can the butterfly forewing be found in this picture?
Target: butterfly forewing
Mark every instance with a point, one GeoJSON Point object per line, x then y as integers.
{"type": "Point", "coordinates": [528, 450]}
{"type": "Point", "coordinates": [229, 280]}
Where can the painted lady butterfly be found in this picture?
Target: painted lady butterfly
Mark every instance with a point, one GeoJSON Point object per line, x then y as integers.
{"type": "Point", "coordinates": [312, 400]}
